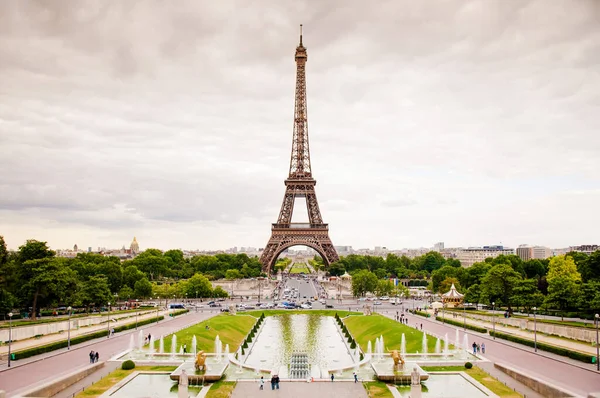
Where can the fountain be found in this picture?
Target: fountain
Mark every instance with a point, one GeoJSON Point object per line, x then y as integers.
{"type": "Point", "coordinates": [299, 367]}
{"type": "Point", "coordinates": [183, 385]}
{"type": "Point", "coordinates": [140, 340]}
{"type": "Point", "coordinates": [226, 351]}
{"type": "Point", "coordinates": [181, 350]}
{"type": "Point", "coordinates": [151, 346]}
{"type": "Point", "coordinates": [161, 345]}
{"type": "Point", "coordinates": [403, 345]}
{"type": "Point", "coordinates": [131, 342]}
{"type": "Point", "coordinates": [456, 340]}
{"type": "Point", "coordinates": [438, 346]}
{"type": "Point", "coordinates": [369, 348]}
{"type": "Point", "coordinates": [174, 345]}
{"type": "Point", "coordinates": [424, 346]}
{"type": "Point", "coordinates": [446, 344]}
{"type": "Point", "coordinates": [465, 345]}
{"type": "Point", "coordinates": [218, 349]}
{"type": "Point", "coordinates": [194, 345]}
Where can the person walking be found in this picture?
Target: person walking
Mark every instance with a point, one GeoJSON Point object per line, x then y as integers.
{"type": "Point", "coordinates": [262, 383]}
{"type": "Point", "coordinates": [474, 348]}
{"type": "Point", "coordinates": [185, 348]}
{"type": "Point", "coordinates": [355, 377]}
{"type": "Point", "coordinates": [96, 356]}
{"type": "Point", "coordinates": [92, 356]}
{"type": "Point", "coordinates": [483, 348]}
{"type": "Point", "coordinates": [272, 382]}
{"type": "Point", "coordinates": [277, 382]}
{"type": "Point", "coordinates": [332, 377]}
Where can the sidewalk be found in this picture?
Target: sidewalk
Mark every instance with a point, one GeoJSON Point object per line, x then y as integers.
{"type": "Point", "coordinates": [541, 338]}
{"type": "Point", "coordinates": [51, 338]}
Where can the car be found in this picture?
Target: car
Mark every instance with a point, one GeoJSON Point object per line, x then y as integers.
{"type": "Point", "coordinates": [306, 306]}
{"type": "Point", "coordinates": [215, 305]}
{"type": "Point", "coordinates": [224, 309]}
{"type": "Point", "coordinates": [210, 302]}
{"type": "Point", "coordinates": [329, 306]}
{"type": "Point", "coordinates": [377, 303]}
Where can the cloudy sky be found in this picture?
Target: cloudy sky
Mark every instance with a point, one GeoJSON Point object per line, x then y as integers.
{"type": "Point", "coordinates": [468, 122]}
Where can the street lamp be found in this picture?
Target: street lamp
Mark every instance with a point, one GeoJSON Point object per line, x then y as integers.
{"type": "Point", "coordinates": [108, 323]}
{"type": "Point", "coordinates": [494, 318]}
{"type": "Point", "coordinates": [10, 315]}
{"type": "Point", "coordinates": [157, 308]}
{"type": "Point", "coordinates": [597, 346]}
{"type": "Point", "coordinates": [69, 332]}
{"type": "Point", "coordinates": [534, 329]}
{"type": "Point", "coordinates": [136, 318]}
{"type": "Point", "coordinates": [464, 316]}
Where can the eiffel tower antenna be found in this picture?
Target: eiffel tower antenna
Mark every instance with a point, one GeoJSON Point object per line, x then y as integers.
{"type": "Point", "coordinates": [299, 184]}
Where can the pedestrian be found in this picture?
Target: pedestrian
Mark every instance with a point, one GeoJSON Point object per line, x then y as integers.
{"type": "Point", "coordinates": [355, 377]}
{"type": "Point", "coordinates": [149, 337]}
{"type": "Point", "coordinates": [332, 377]}
{"type": "Point", "coordinates": [262, 383]}
{"type": "Point", "coordinates": [96, 356]}
{"type": "Point", "coordinates": [272, 382]}
{"type": "Point", "coordinates": [185, 349]}
{"type": "Point", "coordinates": [421, 326]}
{"type": "Point", "coordinates": [478, 348]}
{"type": "Point", "coordinates": [474, 348]}
{"type": "Point", "coordinates": [92, 356]}
{"type": "Point", "coordinates": [483, 348]}
{"type": "Point", "coordinates": [277, 382]}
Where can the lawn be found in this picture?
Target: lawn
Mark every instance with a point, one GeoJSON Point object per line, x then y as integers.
{"type": "Point", "coordinates": [377, 389]}
{"type": "Point", "coordinates": [221, 389]}
{"type": "Point", "coordinates": [342, 314]}
{"type": "Point", "coordinates": [299, 268]}
{"type": "Point", "coordinates": [368, 328]}
{"type": "Point", "coordinates": [481, 376]}
{"type": "Point", "coordinates": [100, 387]}
{"type": "Point", "coordinates": [231, 330]}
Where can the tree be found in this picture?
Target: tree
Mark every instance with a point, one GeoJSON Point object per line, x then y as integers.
{"type": "Point", "coordinates": [535, 268]}
{"type": "Point", "coordinates": [362, 282]}
{"type": "Point", "coordinates": [219, 292]}
{"type": "Point", "coordinates": [473, 294]}
{"type": "Point", "coordinates": [384, 287]}
{"type": "Point", "coordinates": [499, 282]}
{"type": "Point", "coordinates": [199, 286]}
{"type": "Point", "coordinates": [126, 293]}
{"type": "Point", "coordinates": [233, 274]}
{"type": "Point", "coordinates": [95, 291]}
{"type": "Point", "coordinates": [563, 282]}
{"type": "Point", "coordinates": [132, 274]}
{"type": "Point", "coordinates": [142, 288]}
{"type": "Point", "coordinates": [446, 284]}
{"type": "Point", "coordinates": [590, 268]}
{"type": "Point", "coordinates": [527, 295]}
{"type": "Point", "coordinates": [3, 251]}
{"type": "Point", "coordinates": [336, 269]}
{"type": "Point", "coordinates": [432, 261]}
{"type": "Point", "coordinates": [439, 275]}
{"type": "Point", "coordinates": [474, 274]}
{"type": "Point", "coordinates": [589, 297]}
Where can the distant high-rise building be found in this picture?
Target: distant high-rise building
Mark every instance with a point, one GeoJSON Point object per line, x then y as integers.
{"type": "Point", "coordinates": [438, 247]}
{"type": "Point", "coordinates": [135, 247]}
{"type": "Point", "coordinates": [472, 255]}
{"type": "Point", "coordinates": [89, 249]}
{"type": "Point", "coordinates": [587, 249]}
{"type": "Point", "coordinates": [526, 252]}
{"type": "Point", "coordinates": [75, 247]}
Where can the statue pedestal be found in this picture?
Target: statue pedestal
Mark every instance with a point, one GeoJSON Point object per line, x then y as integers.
{"type": "Point", "coordinates": [182, 391]}
{"type": "Point", "coordinates": [415, 391]}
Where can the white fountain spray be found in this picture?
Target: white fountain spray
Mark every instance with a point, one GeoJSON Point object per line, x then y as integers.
{"type": "Point", "coordinates": [131, 342]}
{"type": "Point", "coordinates": [456, 340]}
{"type": "Point", "coordinates": [161, 345]}
{"type": "Point", "coordinates": [382, 349]}
{"type": "Point", "coordinates": [174, 345]}
{"type": "Point", "coordinates": [218, 348]}
{"type": "Point", "coordinates": [151, 347]}
{"type": "Point", "coordinates": [194, 345]}
{"type": "Point", "coordinates": [424, 346]}
{"type": "Point", "coordinates": [181, 350]}
{"type": "Point", "coordinates": [226, 351]}
{"type": "Point", "coordinates": [140, 340]}
{"type": "Point", "coordinates": [446, 344]}
{"type": "Point", "coordinates": [403, 345]}
{"type": "Point", "coordinates": [465, 344]}
{"type": "Point", "coordinates": [438, 346]}
{"type": "Point", "coordinates": [369, 348]}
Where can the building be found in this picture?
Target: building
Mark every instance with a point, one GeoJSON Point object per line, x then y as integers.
{"type": "Point", "coordinates": [438, 247]}
{"type": "Point", "coordinates": [587, 249]}
{"type": "Point", "coordinates": [526, 252]}
{"type": "Point", "coordinates": [134, 247]}
{"type": "Point", "coordinates": [472, 255]}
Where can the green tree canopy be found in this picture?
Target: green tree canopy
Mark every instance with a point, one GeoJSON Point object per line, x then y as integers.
{"type": "Point", "coordinates": [563, 282]}
{"type": "Point", "coordinates": [363, 282]}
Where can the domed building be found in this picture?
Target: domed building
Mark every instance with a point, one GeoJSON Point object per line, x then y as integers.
{"type": "Point", "coordinates": [134, 247]}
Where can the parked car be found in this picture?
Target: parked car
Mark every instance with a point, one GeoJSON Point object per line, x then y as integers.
{"type": "Point", "coordinates": [329, 306]}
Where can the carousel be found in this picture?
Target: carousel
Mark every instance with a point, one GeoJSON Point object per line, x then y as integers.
{"type": "Point", "coordinates": [452, 298]}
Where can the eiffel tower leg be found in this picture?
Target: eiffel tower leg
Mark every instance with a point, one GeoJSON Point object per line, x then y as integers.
{"type": "Point", "coordinates": [312, 206]}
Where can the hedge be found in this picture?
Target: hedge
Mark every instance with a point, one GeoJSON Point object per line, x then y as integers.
{"type": "Point", "coordinates": [77, 339]}
{"type": "Point", "coordinates": [422, 313]}
{"type": "Point", "coordinates": [579, 356]}
{"type": "Point", "coordinates": [462, 324]}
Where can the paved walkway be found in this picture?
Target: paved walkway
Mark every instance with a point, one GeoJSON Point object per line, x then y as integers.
{"type": "Point", "coordinates": [28, 373]}
{"type": "Point", "coordinates": [541, 338]}
{"type": "Point", "coordinates": [301, 390]}
{"type": "Point", "coordinates": [571, 375]}
{"type": "Point", "coordinates": [51, 338]}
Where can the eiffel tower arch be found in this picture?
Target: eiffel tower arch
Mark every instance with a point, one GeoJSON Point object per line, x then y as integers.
{"type": "Point", "coordinates": [299, 184]}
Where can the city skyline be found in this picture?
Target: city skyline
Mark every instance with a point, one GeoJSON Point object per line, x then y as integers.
{"type": "Point", "coordinates": [466, 122]}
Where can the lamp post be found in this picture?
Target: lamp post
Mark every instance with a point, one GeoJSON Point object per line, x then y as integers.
{"type": "Point", "coordinates": [534, 329]}
{"type": "Point", "coordinates": [494, 318]}
{"type": "Point", "coordinates": [69, 332]}
{"type": "Point", "coordinates": [108, 323]}
{"type": "Point", "coordinates": [136, 318]}
{"type": "Point", "coordinates": [157, 308]}
{"type": "Point", "coordinates": [10, 315]}
{"type": "Point", "coordinates": [464, 316]}
{"type": "Point", "coordinates": [597, 346]}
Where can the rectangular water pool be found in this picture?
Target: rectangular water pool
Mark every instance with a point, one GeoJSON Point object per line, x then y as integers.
{"type": "Point", "coordinates": [151, 386]}
{"type": "Point", "coordinates": [446, 386]}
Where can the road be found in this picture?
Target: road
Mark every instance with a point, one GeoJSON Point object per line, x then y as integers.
{"type": "Point", "coordinates": [24, 374]}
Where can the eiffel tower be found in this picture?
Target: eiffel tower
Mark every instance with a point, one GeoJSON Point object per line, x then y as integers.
{"type": "Point", "coordinates": [299, 184]}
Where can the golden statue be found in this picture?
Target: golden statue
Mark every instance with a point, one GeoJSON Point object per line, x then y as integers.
{"type": "Point", "coordinates": [200, 361]}
{"type": "Point", "coordinates": [397, 358]}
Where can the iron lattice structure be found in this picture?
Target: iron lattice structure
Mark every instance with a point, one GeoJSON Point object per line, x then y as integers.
{"type": "Point", "coordinates": [299, 184]}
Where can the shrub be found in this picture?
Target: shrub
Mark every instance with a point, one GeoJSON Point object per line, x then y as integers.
{"type": "Point", "coordinates": [353, 344]}
{"type": "Point", "coordinates": [461, 324]}
{"type": "Point", "coordinates": [128, 365]}
{"type": "Point", "coordinates": [468, 365]}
